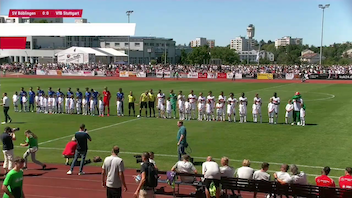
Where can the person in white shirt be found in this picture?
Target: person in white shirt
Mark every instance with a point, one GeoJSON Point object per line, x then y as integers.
{"type": "Point", "coordinates": [193, 101]}
{"type": "Point", "coordinates": [271, 111]}
{"type": "Point", "coordinates": [60, 104]}
{"type": "Point", "coordinates": [6, 107]}
{"type": "Point", "coordinates": [222, 101]}
{"type": "Point", "coordinates": [289, 112]}
{"type": "Point", "coordinates": [243, 108]}
{"type": "Point", "coordinates": [72, 105]}
{"type": "Point", "coordinates": [298, 177]}
{"type": "Point", "coordinates": [185, 166]}
{"type": "Point", "coordinates": [24, 104]}
{"type": "Point", "coordinates": [211, 172]}
{"type": "Point", "coordinates": [54, 106]}
{"type": "Point", "coordinates": [168, 108]}
{"type": "Point", "coordinates": [231, 108]}
{"type": "Point", "coordinates": [45, 104]}
{"type": "Point", "coordinates": [245, 172]}
{"type": "Point", "coordinates": [302, 113]}
{"type": "Point", "coordinates": [276, 102]}
{"type": "Point", "coordinates": [15, 100]}
{"type": "Point", "coordinates": [101, 107]}
{"type": "Point", "coordinates": [262, 175]}
{"type": "Point", "coordinates": [50, 104]}
{"type": "Point", "coordinates": [282, 176]}
{"type": "Point", "coordinates": [219, 109]}
{"type": "Point", "coordinates": [118, 107]}
{"type": "Point", "coordinates": [211, 98]}
{"type": "Point", "coordinates": [181, 105]}
{"type": "Point", "coordinates": [161, 104]}
{"type": "Point", "coordinates": [37, 103]}
{"type": "Point", "coordinates": [85, 106]}
{"type": "Point", "coordinates": [258, 103]}
{"type": "Point", "coordinates": [78, 105]}
{"type": "Point", "coordinates": [201, 107]}
{"type": "Point", "coordinates": [255, 113]}
{"type": "Point", "coordinates": [225, 169]}
{"type": "Point", "coordinates": [209, 111]}
{"type": "Point", "coordinates": [92, 106]}
{"type": "Point", "coordinates": [41, 98]}
{"type": "Point", "coordinates": [188, 110]}
{"type": "Point", "coordinates": [67, 105]}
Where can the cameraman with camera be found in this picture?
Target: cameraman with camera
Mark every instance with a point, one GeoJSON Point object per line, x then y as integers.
{"type": "Point", "coordinates": [7, 147]}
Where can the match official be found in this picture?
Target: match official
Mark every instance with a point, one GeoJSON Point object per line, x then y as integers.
{"type": "Point", "coordinates": [151, 103]}
{"type": "Point", "coordinates": [6, 105]}
{"type": "Point", "coordinates": [143, 103]}
{"type": "Point", "coordinates": [181, 140]}
{"type": "Point", "coordinates": [131, 100]}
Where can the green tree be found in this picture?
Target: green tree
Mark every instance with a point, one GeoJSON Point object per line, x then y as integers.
{"type": "Point", "coordinates": [184, 57]}
{"type": "Point", "coordinates": [225, 54]}
{"type": "Point", "coordinates": [162, 60]}
{"type": "Point", "coordinates": [199, 55]}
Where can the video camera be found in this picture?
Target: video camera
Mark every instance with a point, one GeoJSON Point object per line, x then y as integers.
{"type": "Point", "coordinates": [11, 130]}
{"type": "Point", "coordinates": [138, 158]}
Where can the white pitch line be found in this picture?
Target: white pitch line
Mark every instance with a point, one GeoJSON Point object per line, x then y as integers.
{"type": "Point", "coordinates": [97, 129]}
{"type": "Point", "coordinates": [175, 156]}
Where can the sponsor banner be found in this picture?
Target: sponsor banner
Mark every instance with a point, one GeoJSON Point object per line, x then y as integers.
{"type": "Point", "coordinates": [290, 76]}
{"type": "Point", "coordinates": [211, 75]}
{"type": "Point", "coordinates": [318, 76]}
{"type": "Point", "coordinates": [124, 74]}
{"type": "Point", "coordinates": [246, 76]}
{"type": "Point", "coordinates": [40, 72]}
{"type": "Point", "coordinates": [77, 58]}
{"type": "Point", "coordinates": [71, 73]}
{"type": "Point", "coordinates": [221, 75]}
{"type": "Point", "coordinates": [183, 75]}
{"type": "Point", "coordinates": [100, 73]}
{"type": "Point", "coordinates": [52, 73]}
{"type": "Point", "coordinates": [141, 75]}
{"type": "Point", "coordinates": [192, 75]}
{"type": "Point", "coordinates": [202, 75]}
{"type": "Point", "coordinates": [159, 74]}
{"type": "Point", "coordinates": [13, 42]}
{"type": "Point", "coordinates": [344, 76]}
{"type": "Point", "coordinates": [229, 75]}
{"type": "Point", "coordinates": [59, 72]}
{"type": "Point", "coordinates": [132, 74]}
{"type": "Point", "coordinates": [238, 76]}
{"type": "Point", "coordinates": [86, 73]}
{"type": "Point", "coordinates": [48, 13]}
{"type": "Point", "coordinates": [265, 76]}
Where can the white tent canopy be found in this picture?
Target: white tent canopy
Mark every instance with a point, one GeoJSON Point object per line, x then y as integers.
{"type": "Point", "coordinates": [105, 52]}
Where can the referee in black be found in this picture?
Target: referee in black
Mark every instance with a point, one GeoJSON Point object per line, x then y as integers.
{"type": "Point", "coordinates": [6, 105]}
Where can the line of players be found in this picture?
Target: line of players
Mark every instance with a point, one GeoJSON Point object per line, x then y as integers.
{"type": "Point", "coordinates": [210, 109]}
{"type": "Point", "coordinates": [59, 103]}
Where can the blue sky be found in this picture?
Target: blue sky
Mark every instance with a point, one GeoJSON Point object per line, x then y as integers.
{"type": "Point", "coordinates": [222, 20]}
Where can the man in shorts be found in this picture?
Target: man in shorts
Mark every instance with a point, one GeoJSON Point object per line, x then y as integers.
{"type": "Point", "coordinates": [143, 103]}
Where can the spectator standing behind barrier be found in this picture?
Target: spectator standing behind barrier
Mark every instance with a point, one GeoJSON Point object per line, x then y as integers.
{"type": "Point", "coordinates": [212, 176]}
{"type": "Point", "coordinates": [82, 147]}
{"type": "Point", "coordinates": [181, 140]}
{"type": "Point", "coordinates": [13, 182]}
{"type": "Point", "coordinates": [324, 180]}
{"type": "Point", "coordinates": [113, 177]}
{"type": "Point", "coordinates": [7, 148]}
{"type": "Point", "coordinates": [144, 190]}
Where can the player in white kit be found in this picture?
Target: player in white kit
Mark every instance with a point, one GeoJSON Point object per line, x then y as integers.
{"type": "Point", "coordinates": [222, 100]}
{"type": "Point", "coordinates": [168, 108]}
{"type": "Point", "coordinates": [258, 106]}
{"type": "Point", "coordinates": [211, 98]}
{"type": "Point", "coordinates": [161, 104]}
{"type": "Point", "coordinates": [45, 104]}
{"type": "Point", "coordinates": [50, 104]}
{"type": "Point", "coordinates": [302, 113]}
{"type": "Point", "coordinates": [276, 102]}
{"type": "Point", "coordinates": [219, 109]}
{"type": "Point", "coordinates": [193, 102]}
{"type": "Point", "coordinates": [289, 112]}
{"type": "Point", "coordinates": [92, 106]}
{"type": "Point", "coordinates": [271, 111]}
{"type": "Point", "coordinates": [60, 104]}
{"type": "Point", "coordinates": [231, 103]}
{"type": "Point", "coordinates": [37, 103]}
{"type": "Point", "coordinates": [67, 105]}
{"type": "Point", "coordinates": [101, 107]}
{"type": "Point", "coordinates": [181, 105]}
{"type": "Point", "coordinates": [209, 111]}
{"type": "Point", "coordinates": [201, 107]}
{"type": "Point", "coordinates": [15, 101]}
{"type": "Point", "coordinates": [84, 106]}
{"type": "Point", "coordinates": [72, 105]}
{"type": "Point", "coordinates": [242, 108]}
{"type": "Point", "coordinates": [54, 102]}
{"type": "Point", "coordinates": [78, 105]}
{"type": "Point", "coordinates": [187, 110]}
{"type": "Point", "coordinates": [24, 103]}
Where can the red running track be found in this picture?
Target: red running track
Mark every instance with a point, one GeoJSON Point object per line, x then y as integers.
{"type": "Point", "coordinates": [54, 183]}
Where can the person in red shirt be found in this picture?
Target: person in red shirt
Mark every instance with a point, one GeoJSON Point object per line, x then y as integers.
{"type": "Point", "coordinates": [345, 182]}
{"type": "Point", "coordinates": [106, 100]}
{"type": "Point", "coordinates": [324, 180]}
{"type": "Point", "coordinates": [70, 150]}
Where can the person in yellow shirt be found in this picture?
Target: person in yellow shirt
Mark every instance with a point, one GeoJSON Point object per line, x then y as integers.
{"type": "Point", "coordinates": [131, 101]}
{"type": "Point", "coordinates": [151, 103]}
{"type": "Point", "coordinates": [143, 103]}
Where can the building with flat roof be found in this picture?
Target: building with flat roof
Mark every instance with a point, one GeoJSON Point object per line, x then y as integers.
{"type": "Point", "coordinates": [288, 40]}
{"type": "Point", "coordinates": [241, 44]}
{"type": "Point", "coordinates": [200, 41]}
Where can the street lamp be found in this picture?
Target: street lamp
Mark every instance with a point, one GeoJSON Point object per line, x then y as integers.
{"type": "Point", "coordinates": [323, 7]}
{"type": "Point", "coordinates": [129, 12]}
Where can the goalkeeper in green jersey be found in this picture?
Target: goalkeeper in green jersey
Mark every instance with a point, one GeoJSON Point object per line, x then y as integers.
{"type": "Point", "coordinates": [173, 100]}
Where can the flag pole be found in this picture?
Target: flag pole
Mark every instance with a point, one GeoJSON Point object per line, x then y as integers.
{"type": "Point", "coordinates": [258, 55]}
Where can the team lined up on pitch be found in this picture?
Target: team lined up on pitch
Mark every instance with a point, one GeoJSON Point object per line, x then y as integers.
{"type": "Point", "coordinates": [206, 108]}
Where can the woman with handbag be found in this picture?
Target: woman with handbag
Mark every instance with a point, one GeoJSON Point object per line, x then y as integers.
{"type": "Point", "coordinates": [32, 143]}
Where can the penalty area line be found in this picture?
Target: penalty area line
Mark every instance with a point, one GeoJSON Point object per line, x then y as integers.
{"type": "Point", "coordinates": [96, 129]}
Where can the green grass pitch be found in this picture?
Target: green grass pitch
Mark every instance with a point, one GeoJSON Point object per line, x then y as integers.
{"type": "Point", "coordinates": [324, 142]}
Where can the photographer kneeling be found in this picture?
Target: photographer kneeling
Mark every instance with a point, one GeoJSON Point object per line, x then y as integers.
{"type": "Point", "coordinates": [149, 179]}
{"type": "Point", "coordinates": [7, 147]}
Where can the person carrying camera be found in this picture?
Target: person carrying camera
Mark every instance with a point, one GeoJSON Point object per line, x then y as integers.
{"type": "Point", "coordinates": [82, 147]}
{"type": "Point", "coordinates": [7, 147]}
{"type": "Point", "coordinates": [149, 179]}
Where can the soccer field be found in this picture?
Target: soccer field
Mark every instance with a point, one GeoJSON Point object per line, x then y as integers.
{"type": "Point", "coordinates": [323, 142]}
